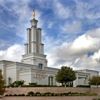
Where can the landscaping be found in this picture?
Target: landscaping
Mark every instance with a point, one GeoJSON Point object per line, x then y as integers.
{"type": "Point", "coordinates": [31, 93]}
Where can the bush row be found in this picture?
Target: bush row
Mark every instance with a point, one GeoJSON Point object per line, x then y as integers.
{"type": "Point", "coordinates": [96, 99]}
{"type": "Point", "coordinates": [33, 86]}
{"type": "Point", "coordinates": [83, 86]}
{"type": "Point", "coordinates": [54, 94]}
{"type": "Point", "coordinates": [39, 86]}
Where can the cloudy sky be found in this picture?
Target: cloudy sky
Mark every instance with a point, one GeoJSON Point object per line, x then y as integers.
{"type": "Point", "coordinates": [70, 31]}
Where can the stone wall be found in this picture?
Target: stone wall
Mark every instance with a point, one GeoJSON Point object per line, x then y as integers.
{"type": "Point", "coordinates": [52, 98]}
{"type": "Point", "coordinates": [95, 90]}
{"type": "Point", "coordinates": [24, 90]}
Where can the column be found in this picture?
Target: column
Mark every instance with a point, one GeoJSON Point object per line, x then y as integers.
{"type": "Point", "coordinates": [33, 39]}
{"type": "Point", "coordinates": [41, 50]}
{"type": "Point", "coordinates": [4, 71]}
{"type": "Point", "coordinates": [39, 40]}
{"type": "Point", "coordinates": [39, 35]}
{"type": "Point", "coordinates": [29, 39]}
{"type": "Point", "coordinates": [33, 33]}
{"type": "Point", "coordinates": [77, 79]}
{"type": "Point", "coordinates": [26, 48]}
{"type": "Point", "coordinates": [33, 47]}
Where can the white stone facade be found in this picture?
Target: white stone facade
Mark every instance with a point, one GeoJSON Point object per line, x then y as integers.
{"type": "Point", "coordinates": [34, 63]}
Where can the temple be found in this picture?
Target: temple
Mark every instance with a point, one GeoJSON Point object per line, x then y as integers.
{"type": "Point", "coordinates": [33, 66]}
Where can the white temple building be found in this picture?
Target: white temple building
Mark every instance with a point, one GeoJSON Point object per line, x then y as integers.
{"type": "Point", "coordinates": [33, 66]}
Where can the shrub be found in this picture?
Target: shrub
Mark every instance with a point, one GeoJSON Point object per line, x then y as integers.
{"type": "Point", "coordinates": [38, 94]}
{"type": "Point", "coordinates": [10, 94]}
{"type": "Point", "coordinates": [15, 95]}
{"type": "Point", "coordinates": [50, 94]}
{"type": "Point", "coordinates": [46, 94]}
{"type": "Point", "coordinates": [55, 94]}
{"type": "Point", "coordinates": [27, 95]}
{"type": "Point", "coordinates": [65, 94]}
{"type": "Point", "coordinates": [17, 83]}
{"type": "Point", "coordinates": [23, 94]}
{"type": "Point", "coordinates": [42, 94]}
{"type": "Point", "coordinates": [59, 94]}
{"type": "Point", "coordinates": [32, 84]}
{"type": "Point", "coordinates": [31, 93]}
{"type": "Point", "coordinates": [69, 94]}
{"type": "Point", "coordinates": [6, 95]}
{"type": "Point", "coordinates": [83, 86]}
{"type": "Point", "coordinates": [19, 94]}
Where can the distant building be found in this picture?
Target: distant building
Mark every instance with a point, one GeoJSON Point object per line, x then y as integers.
{"type": "Point", "coordinates": [33, 66]}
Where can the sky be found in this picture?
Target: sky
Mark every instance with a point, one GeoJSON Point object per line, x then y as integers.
{"type": "Point", "coordinates": [70, 31]}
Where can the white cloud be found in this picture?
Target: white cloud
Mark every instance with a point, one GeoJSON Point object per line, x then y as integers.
{"type": "Point", "coordinates": [95, 33]}
{"type": "Point", "coordinates": [71, 27]}
{"type": "Point", "coordinates": [84, 44]}
{"type": "Point", "coordinates": [92, 62]}
{"type": "Point", "coordinates": [50, 24]}
{"type": "Point", "coordinates": [87, 9]}
{"type": "Point", "coordinates": [44, 4]}
{"type": "Point", "coordinates": [23, 15]}
{"type": "Point", "coordinates": [75, 54]}
{"type": "Point", "coordinates": [61, 11]}
{"type": "Point", "coordinates": [3, 43]}
{"type": "Point", "coordinates": [12, 53]}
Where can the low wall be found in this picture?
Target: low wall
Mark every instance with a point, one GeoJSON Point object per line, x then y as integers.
{"type": "Point", "coordinates": [24, 90]}
{"type": "Point", "coordinates": [95, 90]}
{"type": "Point", "coordinates": [52, 98]}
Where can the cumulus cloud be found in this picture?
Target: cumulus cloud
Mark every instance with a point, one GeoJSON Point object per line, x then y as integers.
{"type": "Point", "coordinates": [75, 54]}
{"type": "Point", "coordinates": [95, 33]}
{"type": "Point", "coordinates": [92, 62]}
{"type": "Point", "coordinates": [3, 44]}
{"type": "Point", "coordinates": [12, 53]}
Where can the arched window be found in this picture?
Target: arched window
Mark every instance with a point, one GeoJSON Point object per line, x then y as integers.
{"type": "Point", "coordinates": [50, 80]}
{"type": "Point", "coordinates": [40, 66]}
{"type": "Point", "coordinates": [9, 80]}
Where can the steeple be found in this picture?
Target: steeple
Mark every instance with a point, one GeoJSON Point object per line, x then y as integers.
{"type": "Point", "coordinates": [34, 48]}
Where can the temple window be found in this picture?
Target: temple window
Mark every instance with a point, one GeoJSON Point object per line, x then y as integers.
{"type": "Point", "coordinates": [9, 80]}
{"type": "Point", "coordinates": [40, 66]}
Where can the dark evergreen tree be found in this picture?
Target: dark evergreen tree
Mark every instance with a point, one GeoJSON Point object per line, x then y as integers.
{"type": "Point", "coordinates": [2, 89]}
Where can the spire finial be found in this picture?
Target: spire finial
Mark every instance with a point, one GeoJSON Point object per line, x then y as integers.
{"type": "Point", "coordinates": [34, 13]}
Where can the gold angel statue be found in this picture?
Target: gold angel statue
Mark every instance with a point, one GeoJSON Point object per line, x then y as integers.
{"type": "Point", "coordinates": [34, 13]}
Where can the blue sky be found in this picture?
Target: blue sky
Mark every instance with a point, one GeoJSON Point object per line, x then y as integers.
{"type": "Point", "coordinates": [70, 30]}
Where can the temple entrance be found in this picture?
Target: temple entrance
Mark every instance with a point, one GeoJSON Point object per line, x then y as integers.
{"type": "Point", "coordinates": [50, 80]}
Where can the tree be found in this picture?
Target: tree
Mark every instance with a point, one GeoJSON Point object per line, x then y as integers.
{"type": "Point", "coordinates": [95, 80]}
{"type": "Point", "coordinates": [2, 89]}
{"type": "Point", "coordinates": [65, 75]}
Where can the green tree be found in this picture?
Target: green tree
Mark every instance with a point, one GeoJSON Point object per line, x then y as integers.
{"type": "Point", "coordinates": [65, 75]}
{"type": "Point", "coordinates": [95, 80]}
{"type": "Point", "coordinates": [2, 89]}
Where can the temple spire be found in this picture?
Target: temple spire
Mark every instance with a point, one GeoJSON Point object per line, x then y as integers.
{"type": "Point", "coordinates": [34, 13]}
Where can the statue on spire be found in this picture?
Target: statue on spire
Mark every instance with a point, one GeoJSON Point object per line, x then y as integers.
{"type": "Point", "coordinates": [34, 13]}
